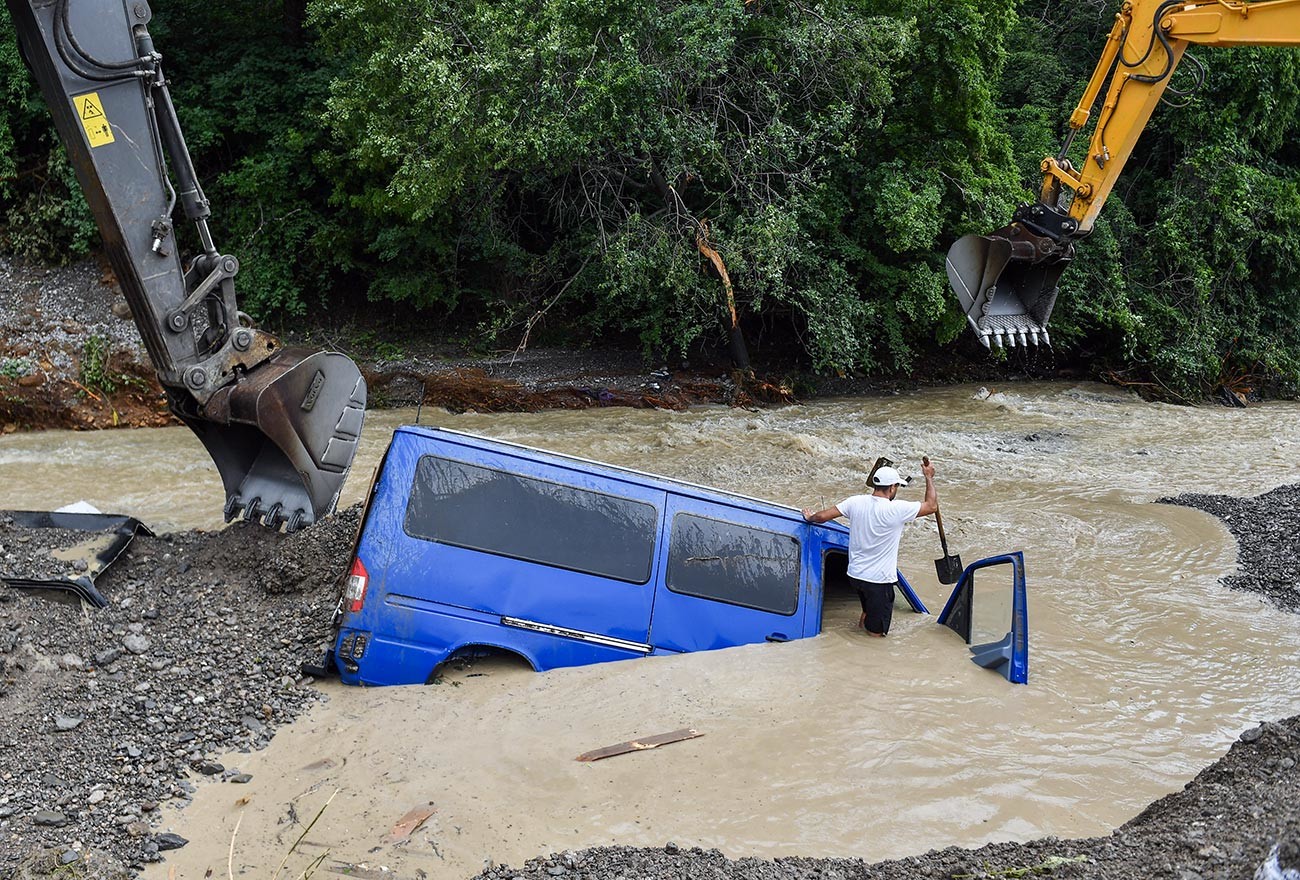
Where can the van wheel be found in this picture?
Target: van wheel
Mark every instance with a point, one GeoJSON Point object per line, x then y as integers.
{"type": "Point", "coordinates": [483, 659]}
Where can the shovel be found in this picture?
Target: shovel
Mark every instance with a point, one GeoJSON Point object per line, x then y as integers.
{"type": "Point", "coordinates": [949, 568]}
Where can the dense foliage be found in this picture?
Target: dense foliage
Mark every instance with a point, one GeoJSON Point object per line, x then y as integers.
{"type": "Point", "coordinates": [588, 166]}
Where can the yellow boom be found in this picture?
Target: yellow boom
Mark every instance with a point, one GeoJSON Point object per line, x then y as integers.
{"type": "Point", "coordinates": [1006, 281]}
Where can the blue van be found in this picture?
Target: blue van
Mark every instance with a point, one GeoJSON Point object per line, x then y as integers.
{"type": "Point", "coordinates": [469, 544]}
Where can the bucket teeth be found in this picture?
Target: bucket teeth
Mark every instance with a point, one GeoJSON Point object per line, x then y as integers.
{"type": "Point", "coordinates": [1001, 331]}
{"type": "Point", "coordinates": [273, 517]}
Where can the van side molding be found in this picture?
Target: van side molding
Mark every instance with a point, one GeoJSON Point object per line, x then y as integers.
{"type": "Point", "coordinates": [580, 635]}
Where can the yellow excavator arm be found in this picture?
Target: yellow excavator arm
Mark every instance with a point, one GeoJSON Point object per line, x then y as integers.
{"type": "Point", "coordinates": [1007, 281]}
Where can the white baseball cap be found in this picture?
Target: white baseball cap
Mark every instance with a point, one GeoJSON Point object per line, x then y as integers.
{"type": "Point", "coordinates": [886, 476]}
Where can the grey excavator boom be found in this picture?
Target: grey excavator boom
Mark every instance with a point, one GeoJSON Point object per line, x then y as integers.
{"type": "Point", "coordinates": [282, 425]}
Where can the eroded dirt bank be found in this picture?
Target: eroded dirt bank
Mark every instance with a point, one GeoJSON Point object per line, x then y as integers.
{"type": "Point", "coordinates": [71, 357]}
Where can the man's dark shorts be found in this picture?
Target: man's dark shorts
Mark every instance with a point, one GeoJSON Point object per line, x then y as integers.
{"type": "Point", "coordinates": [877, 603]}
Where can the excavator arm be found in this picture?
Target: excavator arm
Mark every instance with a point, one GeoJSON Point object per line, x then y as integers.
{"type": "Point", "coordinates": [1007, 281]}
{"type": "Point", "coordinates": [282, 425]}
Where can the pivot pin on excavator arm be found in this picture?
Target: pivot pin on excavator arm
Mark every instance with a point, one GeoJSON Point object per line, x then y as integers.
{"type": "Point", "coordinates": [1006, 281]}
{"type": "Point", "coordinates": [282, 425]}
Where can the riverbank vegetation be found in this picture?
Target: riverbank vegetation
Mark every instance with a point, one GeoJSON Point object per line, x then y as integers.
{"type": "Point", "coordinates": [510, 169]}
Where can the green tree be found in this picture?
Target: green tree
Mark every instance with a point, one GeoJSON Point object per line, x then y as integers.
{"type": "Point", "coordinates": [603, 148]}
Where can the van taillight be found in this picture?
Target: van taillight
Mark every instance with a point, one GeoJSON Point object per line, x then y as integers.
{"type": "Point", "coordinates": [358, 580]}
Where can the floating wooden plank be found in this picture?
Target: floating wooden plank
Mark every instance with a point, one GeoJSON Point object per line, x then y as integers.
{"type": "Point", "coordinates": [407, 824]}
{"type": "Point", "coordinates": [638, 745]}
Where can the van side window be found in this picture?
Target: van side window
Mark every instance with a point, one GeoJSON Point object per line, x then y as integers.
{"type": "Point", "coordinates": [497, 512]}
{"type": "Point", "coordinates": [732, 563]}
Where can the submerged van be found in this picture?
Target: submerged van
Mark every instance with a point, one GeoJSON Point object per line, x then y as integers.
{"type": "Point", "coordinates": [469, 544]}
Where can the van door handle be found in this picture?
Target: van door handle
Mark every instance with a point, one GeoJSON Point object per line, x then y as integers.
{"type": "Point", "coordinates": [778, 637]}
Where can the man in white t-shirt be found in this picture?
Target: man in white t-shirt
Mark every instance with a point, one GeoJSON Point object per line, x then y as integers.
{"type": "Point", "coordinates": [875, 526]}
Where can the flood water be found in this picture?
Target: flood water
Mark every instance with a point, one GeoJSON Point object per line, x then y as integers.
{"type": "Point", "coordinates": [1142, 668]}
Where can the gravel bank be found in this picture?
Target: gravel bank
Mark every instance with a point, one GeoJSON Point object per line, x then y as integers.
{"type": "Point", "coordinates": [1267, 529]}
{"type": "Point", "coordinates": [109, 713]}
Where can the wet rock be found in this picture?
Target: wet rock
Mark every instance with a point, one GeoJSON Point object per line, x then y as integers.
{"type": "Point", "coordinates": [168, 840]}
{"type": "Point", "coordinates": [242, 778]}
{"type": "Point", "coordinates": [209, 768]}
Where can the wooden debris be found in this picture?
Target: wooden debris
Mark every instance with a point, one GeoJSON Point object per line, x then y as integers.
{"type": "Point", "coordinates": [407, 824]}
{"type": "Point", "coordinates": [638, 745]}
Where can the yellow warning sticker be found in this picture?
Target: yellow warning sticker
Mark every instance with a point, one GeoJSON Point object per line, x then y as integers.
{"type": "Point", "coordinates": [91, 112]}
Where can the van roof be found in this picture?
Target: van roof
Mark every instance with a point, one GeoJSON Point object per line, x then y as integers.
{"type": "Point", "coordinates": [506, 447]}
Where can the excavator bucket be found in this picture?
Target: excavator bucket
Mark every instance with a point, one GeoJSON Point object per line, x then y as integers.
{"type": "Point", "coordinates": [283, 437]}
{"type": "Point", "coordinates": [1006, 283]}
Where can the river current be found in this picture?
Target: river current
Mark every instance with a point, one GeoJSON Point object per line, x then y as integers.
{"type": "Point", "coordinates": [1142, 667]}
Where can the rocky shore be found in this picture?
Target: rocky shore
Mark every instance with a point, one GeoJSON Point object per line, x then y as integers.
{"type": "Point", "coordinates": [109, 713]}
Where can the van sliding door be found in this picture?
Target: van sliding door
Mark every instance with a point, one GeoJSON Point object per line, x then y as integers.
{"type": "Point", "coordinates": [733, 577]}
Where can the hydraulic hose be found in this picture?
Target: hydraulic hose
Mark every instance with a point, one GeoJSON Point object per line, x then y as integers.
{"type": "Point", "coordinates": [1156, 33]}
{"type": "Point", "coordinates": [62, 32]}
{"type": "Point", "coordinates": [86, 56]}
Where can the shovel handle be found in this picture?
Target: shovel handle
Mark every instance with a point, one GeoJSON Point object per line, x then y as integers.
{"type": "Point", "coordinates": [938, 517]}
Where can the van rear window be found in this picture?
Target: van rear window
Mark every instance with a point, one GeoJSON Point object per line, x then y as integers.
{"type": "Point", "coordinates": [732, 563]}
{"type": "Point", "coordinates": [497, 512]}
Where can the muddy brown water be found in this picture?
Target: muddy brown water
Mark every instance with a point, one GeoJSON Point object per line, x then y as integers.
{"type": "Point", "coordinates": [1142, 668]}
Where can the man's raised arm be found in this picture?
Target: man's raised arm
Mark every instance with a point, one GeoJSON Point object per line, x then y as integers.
{"type": "Point", "coordinates": [930, 504]}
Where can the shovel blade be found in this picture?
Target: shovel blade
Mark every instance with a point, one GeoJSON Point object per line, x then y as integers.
{"type": "Point", "coordinates": [949, 569]}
